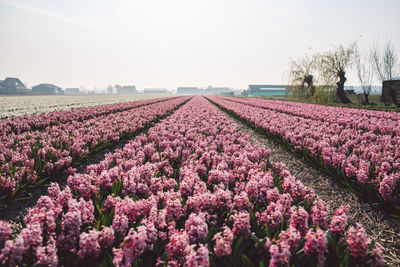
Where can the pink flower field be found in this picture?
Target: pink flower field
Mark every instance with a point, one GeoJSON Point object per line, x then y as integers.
{"type": "Point", "coordinates": [54, 144]}
{"type": "Point", "coordinates": [361, 146]}
{"type": "Point", "coordinates": [191, 190]}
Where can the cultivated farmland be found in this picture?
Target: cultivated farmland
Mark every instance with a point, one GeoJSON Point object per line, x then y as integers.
{"type": "Point", "coordinates": [184, 185]}
{"type": "Point", "coordinates": [11, 106]}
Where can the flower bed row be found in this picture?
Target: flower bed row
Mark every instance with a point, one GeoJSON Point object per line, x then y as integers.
{"type": "Point", "coordinates": [194, 191]}
{"type": "Point", "coordinates": [17, 125]}
{"type": "Point", "coordinates": [27, 156]}
{"type": "Point", "coordinates": [12, 106]}
{"type": "Point", "coordinates": [372, 162]}
{"type": "Point", "coordinates": [380, 122]}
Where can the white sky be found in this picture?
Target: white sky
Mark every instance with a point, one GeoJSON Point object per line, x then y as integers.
{"type": "Point", "coordinates": [166, 44]}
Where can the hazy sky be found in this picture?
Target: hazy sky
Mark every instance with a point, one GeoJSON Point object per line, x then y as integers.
{"type": "Point", "coordinates": [160, 43]}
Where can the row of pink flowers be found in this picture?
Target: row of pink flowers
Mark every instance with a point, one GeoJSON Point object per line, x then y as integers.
{"type": "Point", "coordinates": [193, 191]}
{"type": "Point", "coordinates": [382, 122]}
{"type": "Point", "coordinates": [361, 155]}
{"type": "Point", "coordinates": [21, 124]}
{"type": "Point", "coordinates": [25, 156]}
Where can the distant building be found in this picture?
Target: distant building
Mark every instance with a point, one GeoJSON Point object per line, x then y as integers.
{"type": "Point", "coordinates": [72, 91]}
{"type": "Point", "coordinates": [188, 90]}
{"type": "Point", "coordinates": [217, 91]}
{"type": "Point", "coordinates": [47, 89]}
{"type": "Point", "coordinates": [128, 89]}
{"type": "Point", "coordinates": [12, 86]}
{"type": "Point", "coordinates": [207, 91]}
{"type": "Point", "coordinates": [266, 90]}
{"type": "Point", "coordinates": [231, 93]}
{"type": "Point", "coordinates": [155, 91]}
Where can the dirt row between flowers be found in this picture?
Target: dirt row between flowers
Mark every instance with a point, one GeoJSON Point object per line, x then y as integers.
{"type": "Point", "coordinates": [385, 230]}
{"type": "Point", "coordinates": [16, 210]}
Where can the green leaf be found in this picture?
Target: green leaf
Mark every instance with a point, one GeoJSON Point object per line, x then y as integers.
{"type": "Point", "coordinates": [371, 246]}
{"type": "Point", "coordinates": [346, 259]}
{"type": "Point", "coordinates": [97, 224]}
{"type": "Point", "coordinates": [246, 261]}
{"type": "Point", "coordinates": [96, 204]}
{"type": "Point", "coordinates": [41, 181]}
{"type": "Point", "coordinates": [395, 216]}
{"type": "Point", "coordinates": [283, 223]}
{"type": "Point", "coordinates": [237, 246]}
{"type": "Point", "coordinates": [252, 216]}
{"type": "Point", "coordinates": [267, 230]}
{"type": "Point", "coordinates": [109, 258]}
{"type": "Point", "coordinates": [328, 236]}
{"type": "Point", "coordinates": [164, 256]}
{"type": "Point", "coordinates": [22, 198]}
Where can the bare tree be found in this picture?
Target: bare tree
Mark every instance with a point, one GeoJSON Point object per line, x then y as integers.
{"type": "Point", "coordinates": [385, 61]}
{"type": "Point", "coordinates": [333, 65]}
{"type": "Point", "coordinates": [364, 68]}
{"type": "Point", "coordinates": [301, 74]}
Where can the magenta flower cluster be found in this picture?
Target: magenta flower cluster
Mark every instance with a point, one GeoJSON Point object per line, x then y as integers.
{"type": "Point", "coordinates": [56, 142]}
{"type": "Point", "coordinates": [382, 122]}
{"type": "Point", "coordinates": [192, 191]}
{"type": "Point", "coordinates": [20, 124]}
{"type": "Point", "coordinates": [362, 144]}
